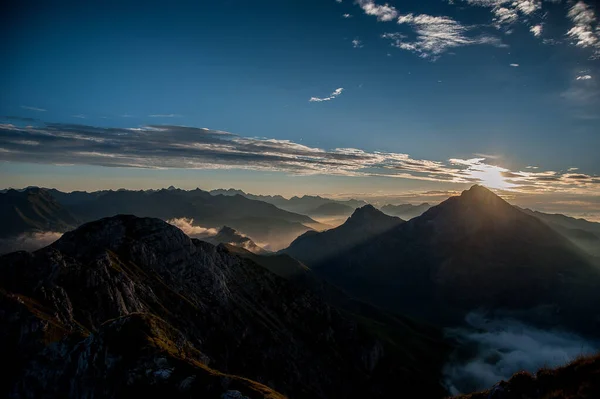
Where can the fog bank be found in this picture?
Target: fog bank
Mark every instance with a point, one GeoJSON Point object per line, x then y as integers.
{"type": "Point", "coordinates": [491, 350]}
{"type": "Point", "coordinates": [28, 241]}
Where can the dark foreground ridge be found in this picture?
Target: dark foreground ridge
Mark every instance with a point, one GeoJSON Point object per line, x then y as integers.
{"type": "Point", "coordinates": [579, 379]}
{"type": "Point", "coordinates": [130, 306]}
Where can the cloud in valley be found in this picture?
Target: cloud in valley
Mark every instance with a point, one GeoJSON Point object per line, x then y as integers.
{"type": "Point", "coordinates": [28, 241]}
{"type": "Point", "coordinates": [501, 347]}
{"type": "Point", "coordinates": [187, 226]}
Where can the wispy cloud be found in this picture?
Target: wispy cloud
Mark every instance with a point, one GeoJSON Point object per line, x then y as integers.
{"type": "Point", "coordinates": [165, 116]}
{"type": "Point", "coordinates": [584, 33]}
{"type": "Point", "coordinates": [435, 35]}
{"type": "Point", "coordinates": [34, 108]}
{"type": "Point", "coordinates": [536, 30]}
{"type": "Point", "coordinates": [333, 95]}
{"type": "Point", "coordinates": [586, 30]}
{"type": "Point", "coordinates": [202, 148]}
{"type": "Point", "coordinates": [514, 65]}
{"type": "Point", "coordinates": [357, 43]}
{"type": "Point", "coordinates": [383, 12]}
{"type": "Point", "coordinates": [79, 116]}
{"type": "Point", "coordinates": [346, 16]}
{"type": "Point", "coordinates": [583, 77]}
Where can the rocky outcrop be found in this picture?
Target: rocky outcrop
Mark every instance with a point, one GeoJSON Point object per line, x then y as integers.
{"type": "Point", "coordinates": [130, 305]}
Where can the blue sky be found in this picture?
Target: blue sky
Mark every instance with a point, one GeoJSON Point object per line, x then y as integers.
{"type": "Point", "coordinates": [505, 84]}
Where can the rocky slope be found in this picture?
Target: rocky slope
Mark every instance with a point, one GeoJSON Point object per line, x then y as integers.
{"type": "Point", "coordinates": [132, 305]}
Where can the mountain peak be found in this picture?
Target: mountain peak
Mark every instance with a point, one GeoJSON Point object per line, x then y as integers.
{"type": "Point", "coordinates": [480, 194]}
{"type": "Point", "coordinates": [228, 231]}
{"type": "Point", "coordinates": [366, 211]}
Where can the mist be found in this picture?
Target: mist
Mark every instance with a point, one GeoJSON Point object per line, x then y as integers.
{"type": "Point", "coordinates": [28, 241]}
{"type": "Point", "coordinates": [490, 350]}
{"type": "Point", "coordinates": [187, 226]}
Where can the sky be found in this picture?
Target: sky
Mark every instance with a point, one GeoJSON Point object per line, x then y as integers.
{"type": "Point", "coordinates": [345, 98]}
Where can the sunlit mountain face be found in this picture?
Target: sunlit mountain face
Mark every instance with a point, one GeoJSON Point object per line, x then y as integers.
{"type": "Point", "coordinates": [300, 199]}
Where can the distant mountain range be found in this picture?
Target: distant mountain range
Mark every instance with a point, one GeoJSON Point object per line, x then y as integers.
{"type": "Point", "coordinates": [582, 232]}
{"type": "Point", "coordinates": [37, 209]}
{"type": "Point", "coordinates": [308, 204]}
{"type": "Point", "coordinates": [31, 210]}
{"type": "Point", "coordinates": [405, 211]}
{"type": "Point", "coordinates": [127, 306]}
{"type": "Point", "coordinates": [471, 251]}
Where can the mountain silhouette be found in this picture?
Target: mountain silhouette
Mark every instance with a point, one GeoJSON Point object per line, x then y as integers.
{"type": "Point", "coordinates": [474, 250]}
{"type": "Point", "coordinates": [365, 223]}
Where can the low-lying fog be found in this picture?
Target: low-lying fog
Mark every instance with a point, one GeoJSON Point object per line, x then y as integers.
{"type": "Point", "coordinates": [28, 241]}
{"type": "Point", "coordinates": [493, 349]}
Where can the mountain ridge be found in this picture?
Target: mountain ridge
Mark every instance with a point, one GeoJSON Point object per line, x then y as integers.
{"type": "Point", "coordinates": [476, 244]}
{"type": "Point", "coordinates": [228, 314]}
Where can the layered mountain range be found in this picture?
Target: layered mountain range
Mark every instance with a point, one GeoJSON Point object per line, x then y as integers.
{"type": "Point", "coordinates": [312, 205]}
{"type": "Point", "coordinates": [37, 209]}
{"type": "Point", "coordinates": [129, 305]}
{"type": "Point", "coordinates": [474, 250]}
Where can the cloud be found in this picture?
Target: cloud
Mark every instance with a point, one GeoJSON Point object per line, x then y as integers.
{"type": "Point", "coordinates": [187, 226]}
{"type": "Point", "coordinates": [28, 241]}
{"type": "Point", "coordinates": [383, 12]}
{"type": "Point", "coordinates": [514, 65]}
{"type": "Point", "coordinates": [79, 116]}
{"type": "Point", "coordinates": [493, 349]}
{"type": "Point", "coordinates": [536, 30]}
{"type": "Point", "coordinates": [434, 35]}
{"type": "Point", "coordinates": [171, 146]}
{"type": "Point", "coordinates": [583, 77]}
{"type": "Point", "coordinates": [585, 30]}
{"type": "Point", "coordinates": [333, 95]}
{"type": "Point", "coordinates": [34, 108]}
{"type": "Point", "coordinates": [346, 16]}
{"type": "Point", "coordinates": [357, 43]}
{"type": "Point", "coordinates": [165, 116]}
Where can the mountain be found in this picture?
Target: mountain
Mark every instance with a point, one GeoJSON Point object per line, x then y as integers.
{"type": "Point", "coordinates": [405, 211]}
{"type": "Point", "coordinates": [474, 250]}
{"type": "Point", "coordinates": [227, 235]}
{"type": "Point", "coordinates": [582, 232]}
{"type": "Point", "coordinates": [262, 221]}
{"type": "Point", "coordinates": [32, 210]}
{"type": "Point", "coordinates": [313, 248]}
{"type": "Point", "coordinates": [306, 204]}
{"type": "Point", "coordinates": [332, 209]}
{"type": "Point", "coordinates": [129, 305]}
{"type": "Point", "coordinates": [579, 379]}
